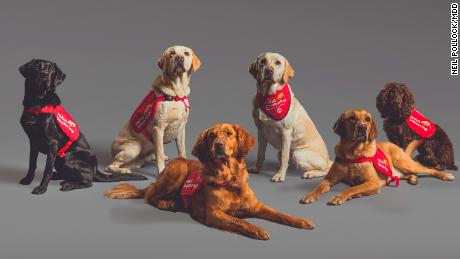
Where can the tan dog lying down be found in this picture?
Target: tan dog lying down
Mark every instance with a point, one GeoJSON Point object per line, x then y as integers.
{"type": "Point", "coordinates": [283, 122]}
{"type": "Point", "coordinates": [360, 163]}
{"type": "Point", "coordinates": [161, 117]}
{"type": "Point", "coordinates": [224, 198]}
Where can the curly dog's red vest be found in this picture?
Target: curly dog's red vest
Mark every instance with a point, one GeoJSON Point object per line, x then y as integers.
{"type": "Point", "coordinates": [381, 164]}
{"type": "Point", "coordinates": [421, 125]}
{"type": "Point", "coordinates": [277, 105]}
{"type": "Point", "coordinates": [147, 109]}
{"type": "Point", "coordinates": [66, 123]}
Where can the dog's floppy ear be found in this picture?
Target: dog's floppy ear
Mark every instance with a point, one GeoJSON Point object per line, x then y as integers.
{"type": "Point", "coordinates": [24, 69]}
{"type": "Point", "coordinates": [288, 72]}
{"type": "Point", "coordinates": [373, 134]}
{"type": "Point", "coordinates": [60, 76]}
{"type": "Point", "coordinates": [201, 147]}
{"type": "Point", "coordinates": [245, 141]}
{"type": "Point", "coordinates": [339, 126]}
{"type": "Point", "coordinates": [161, 61]}
{"type": "Point", "coordinates": [196, 62]}
{"type": "Point", "coordinates": [253, 68]}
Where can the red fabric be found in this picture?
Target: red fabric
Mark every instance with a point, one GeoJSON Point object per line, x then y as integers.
{"type": "Point", "coordinates": [193, 184]}
{"type": "Point", "coordinates": [421, 125]}
{"type": "Point", "coordinates": [381, 164]}
{"type": "Point", "coordinates": [66, 123]}
{"type": "Point", "coordinates": [147, 109]}
{"type": "Point", "coordinates": [277, 105]}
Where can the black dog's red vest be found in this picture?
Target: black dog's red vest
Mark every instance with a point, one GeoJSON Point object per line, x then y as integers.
{"type": "Point", "coordinates": [277, 105]}
{"type": "Point", "coordinates": [381, 164]}
{"type": "Point", "coordinates": [147, 109]}
{"type": "Point", "coordinates": [421, 125]}
{"type": "Point", "coordinates": [66, 123]}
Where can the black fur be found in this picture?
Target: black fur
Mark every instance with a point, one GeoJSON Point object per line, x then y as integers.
{"type": "Point", "coordinates": [78, 168]}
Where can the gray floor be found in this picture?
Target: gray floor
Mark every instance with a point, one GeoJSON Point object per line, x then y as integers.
{"type": "Point", "coordinates": [342, 51]}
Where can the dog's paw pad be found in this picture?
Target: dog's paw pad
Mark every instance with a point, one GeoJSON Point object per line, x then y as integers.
{"type": "Point", "coordinates": [307, 224]}
{"type": "Point", "coordinates": [262, 235]}
{"type": "Point", "coordinates": [449, 177]}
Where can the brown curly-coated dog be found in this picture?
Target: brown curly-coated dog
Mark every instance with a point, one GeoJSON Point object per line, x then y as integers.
{"type": "Point", "coordinates": [395, 103]}
{"type": "Point", "coordinates": [225, 197]}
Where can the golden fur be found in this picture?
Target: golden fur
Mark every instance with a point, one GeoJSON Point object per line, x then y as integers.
{"type": "Point", "coordinates": [225, 198]}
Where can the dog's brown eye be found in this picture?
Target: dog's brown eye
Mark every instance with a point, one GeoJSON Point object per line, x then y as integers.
{"type": "Point", "coordinates": [228, 133]}
{"type": "Point", "coordinates": [278, 62]}
{"type": "Point", "coordinates": [172, 53]}
{"type": "Point", "coordinates": [212, 134]}
{"type": "Point", "coordinates": [262, 61]}
{"type": "Point", "coordinates": [352, 118]}
{"type": "Point", "coordinates": [368, 119]}
{"type": "Point", "coordinates": [186, 53]}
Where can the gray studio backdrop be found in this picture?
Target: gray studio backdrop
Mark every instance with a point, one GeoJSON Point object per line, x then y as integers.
{"type": "Point", "coordinates": [342, 51]}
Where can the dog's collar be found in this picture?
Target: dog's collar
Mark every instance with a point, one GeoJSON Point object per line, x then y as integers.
{"type": "Point", "coordinates": [276, 105]}
{"type": "Point", "coordinates": [380, 162]}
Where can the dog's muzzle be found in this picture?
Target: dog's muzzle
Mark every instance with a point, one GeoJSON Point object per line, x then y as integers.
{"type": "Point", "coordinates": [268, 74]}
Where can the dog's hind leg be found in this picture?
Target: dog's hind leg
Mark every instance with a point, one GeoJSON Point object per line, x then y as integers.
{"type": "Point", "coordinates": [76, 176]}
{"type": "Point", "coordinates": [311, 163]}
{"type": "Point", "coordinates": [123, 155]}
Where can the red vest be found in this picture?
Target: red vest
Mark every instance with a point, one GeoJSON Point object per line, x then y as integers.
{"type": "Point", "coordinates": [193, 184]}
{"type": "Point", "coordinates": [381, 164]}
{"type": "Point", "coordinates": [421, 125]}
{"type": "Point", "coordinates": [277, 105]}
{"type": "Point", "coordinates": [66, 123]}
{"type": "Point", "coordinates": [147, 109]}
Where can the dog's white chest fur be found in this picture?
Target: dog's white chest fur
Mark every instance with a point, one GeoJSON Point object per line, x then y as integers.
{"type": "Point", "coordinates": [171, 116]}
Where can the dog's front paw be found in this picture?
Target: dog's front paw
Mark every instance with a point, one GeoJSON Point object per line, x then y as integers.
{"type": "Point", "coordinates": [26, 180]}
{"type": "Point", "coordinates": [313, 174]}
{"type": "Point", "coordinates": [39, 190]}
{"type": "Point", "coordinates": [278, 178]}
{"type": "Point", "coordinates": [306, 224]}
{"type": "Point", "coordinates": [261, 235]}
{"type": "Point", "coordinates": [412, 179]}
{"type": "Point", "coordinates": [309, 198]}
{"type": "Point", "coordinates": [337, 200]}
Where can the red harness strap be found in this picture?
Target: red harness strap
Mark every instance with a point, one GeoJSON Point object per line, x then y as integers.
{"type": "Point", "coordinates": [421, 125]}
{"type": "Point", "coordinates": [381, 164]}
{"type": "Point", "coordinates": [146, 110]}
{"type": "Point", "coordinates": [66, 123]}
{"type": "Point", "coordinates": [277, 105]}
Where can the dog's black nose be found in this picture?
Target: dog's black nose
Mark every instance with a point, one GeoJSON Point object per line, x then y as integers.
{"type": "Point", "coordinates": [362, 127]}
{"type": "Point", "coordinates": [219, 146]}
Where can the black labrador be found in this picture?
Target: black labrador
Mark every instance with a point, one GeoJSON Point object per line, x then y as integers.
{"type": "Point", "coordinates": [77, 167]}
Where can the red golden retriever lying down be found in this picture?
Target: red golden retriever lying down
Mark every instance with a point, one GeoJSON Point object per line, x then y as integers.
{"type": "Point", "coordinates": [224, 197]}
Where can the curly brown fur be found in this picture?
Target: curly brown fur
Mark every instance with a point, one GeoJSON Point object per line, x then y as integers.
{"type": "Point", "coordinates": [395, 103]}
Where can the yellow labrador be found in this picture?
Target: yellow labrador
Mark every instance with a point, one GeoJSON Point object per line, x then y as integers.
{"type": "Point", "coordinates": [160, 118]}
{"type": "Point", "coordinates": [283, 122]}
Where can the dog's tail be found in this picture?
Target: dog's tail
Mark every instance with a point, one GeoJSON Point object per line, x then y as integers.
{"type": "Point", "coordinates": [125, 191]}
{"type": "Point", "coordinates": [101, 177]}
